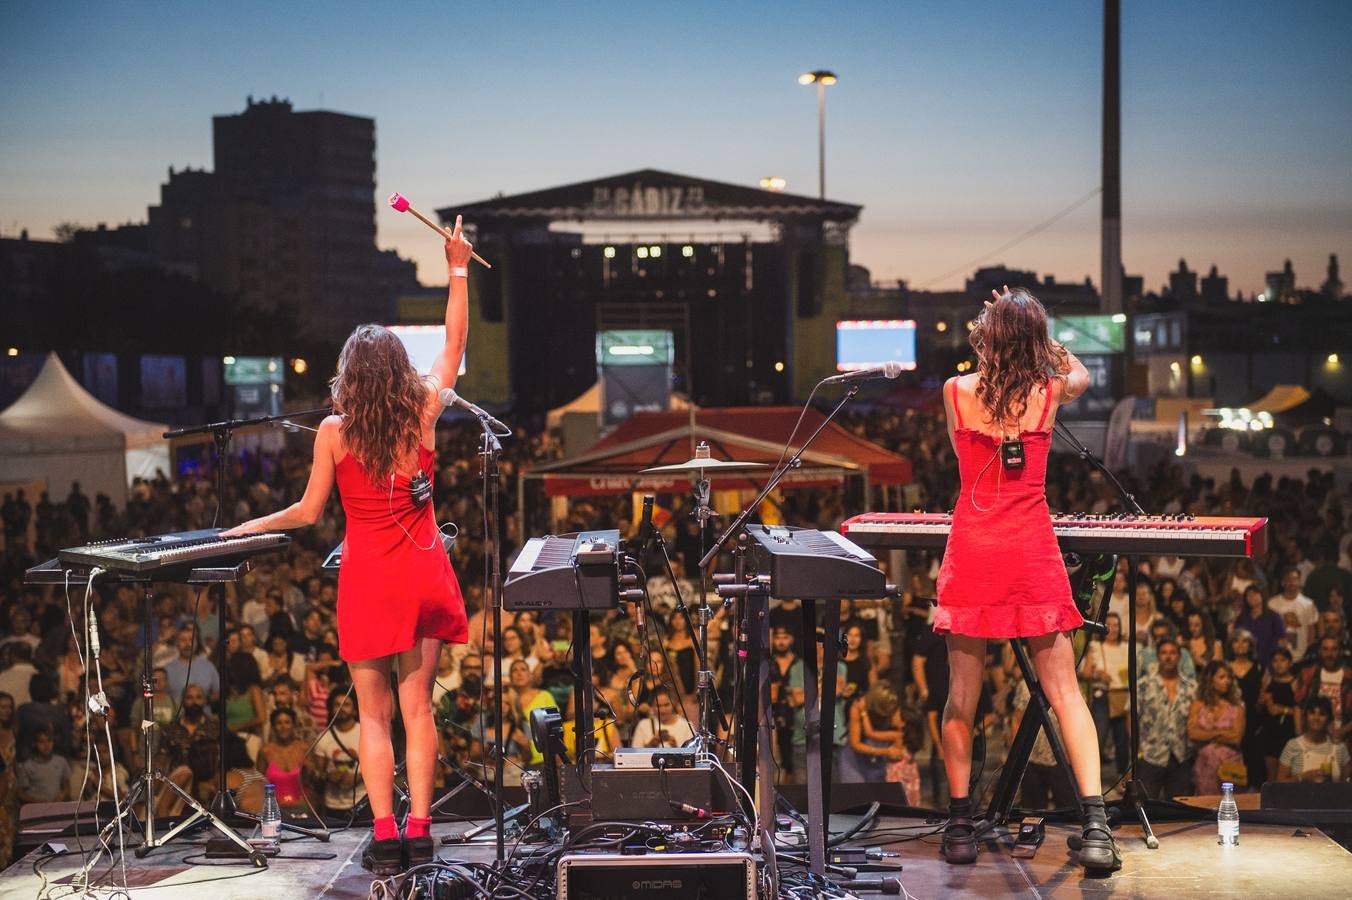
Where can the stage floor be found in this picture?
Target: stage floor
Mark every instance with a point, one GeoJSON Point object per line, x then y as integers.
{"type": "Point", "coordinates": [1271, 861]}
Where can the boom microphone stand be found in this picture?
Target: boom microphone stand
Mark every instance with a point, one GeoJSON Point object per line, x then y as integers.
{"type": "Point", "coordinates": [753, 593]}
{"type": "Point", "coordinates": [223, 807]}
{"type": "Point", "coordinates": [490, 449]}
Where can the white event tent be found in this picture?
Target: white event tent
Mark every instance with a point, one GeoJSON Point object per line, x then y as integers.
{"type": "Point", "coordinates": [58, 432]}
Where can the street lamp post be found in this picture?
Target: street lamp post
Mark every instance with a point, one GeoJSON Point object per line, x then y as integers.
{"type": "Point", "coordinates": [821, 78]}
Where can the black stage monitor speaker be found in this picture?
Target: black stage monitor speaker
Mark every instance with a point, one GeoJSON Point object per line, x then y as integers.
{"type": "Point", "coordinates": [657, 876]}
{"type": "Point", "coordinates": [620, 794]}
{"type": "Point", "coordinates": [1297, 795]}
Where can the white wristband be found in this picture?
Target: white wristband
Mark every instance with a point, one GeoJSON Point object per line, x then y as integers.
{"type": "Point", "coordinates": [459, 272]}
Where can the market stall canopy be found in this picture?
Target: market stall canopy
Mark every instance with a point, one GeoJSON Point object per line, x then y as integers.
{"type": "Point", "coordinates": [745, 434]}
{"type": "Point", "coordinates": [1281, 398]}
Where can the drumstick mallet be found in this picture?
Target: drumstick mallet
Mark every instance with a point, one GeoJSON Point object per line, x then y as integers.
{"type": "Point", "coordinates": [401, 204]}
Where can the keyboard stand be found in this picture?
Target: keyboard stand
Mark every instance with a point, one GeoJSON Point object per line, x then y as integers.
{"type": "Point", "coordinates": [151, 781]}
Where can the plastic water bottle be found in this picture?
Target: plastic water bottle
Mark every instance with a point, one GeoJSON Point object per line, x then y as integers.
{"type": "Point", "coordinates": [271, 824]}
{"type": "Point", "coordinates": [1227, 817]}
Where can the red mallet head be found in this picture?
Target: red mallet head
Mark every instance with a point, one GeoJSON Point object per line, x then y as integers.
{"type": "Point", "coordinates": [399, 202]}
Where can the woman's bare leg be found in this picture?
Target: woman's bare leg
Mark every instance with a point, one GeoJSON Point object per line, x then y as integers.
{"type": "Point", "coordinates": [1054, 661]}
{"type": "Point", "coordinates": [375, 709]}
{"type": "Point", "coordinates": [417, 669]}
{"type": "Point", "coordinates": [966, 669]}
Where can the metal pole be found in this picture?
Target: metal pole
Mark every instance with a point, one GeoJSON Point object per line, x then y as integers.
{"type": "Point", "coordinates": [821, 138]}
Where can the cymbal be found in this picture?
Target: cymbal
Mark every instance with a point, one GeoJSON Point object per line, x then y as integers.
{"type": "Point", "coordinates": [704, 463]}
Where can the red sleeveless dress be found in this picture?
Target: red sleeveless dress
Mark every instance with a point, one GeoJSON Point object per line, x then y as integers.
{"type": "Point", "coordinates": [1002, 574]}
{"type": "Point", "coordinates": [393, 587]}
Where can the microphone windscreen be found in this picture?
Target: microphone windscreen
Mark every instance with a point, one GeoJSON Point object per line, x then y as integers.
{"type": "Point", "coordinates": [891, 369]}
{"type": "Point", "coordinates": [447, 396]}
{"type": "Point", "coordinates": [399, 202]}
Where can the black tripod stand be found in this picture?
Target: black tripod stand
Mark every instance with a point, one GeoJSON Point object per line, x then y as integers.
{"type": "Point", "coordinates": [1131, 791]}
{"type": "Point", "coordinates": [149, 783]}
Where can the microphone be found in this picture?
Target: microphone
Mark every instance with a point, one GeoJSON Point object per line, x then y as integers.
{"type": "Point", "coordinates": [93, 634]}
{"type": "Point", "coordinates": [645, 525]}
{"type": "Point", "coordinates": [449, 397]}
{"type": "Point", "coordinates": [886, 370]}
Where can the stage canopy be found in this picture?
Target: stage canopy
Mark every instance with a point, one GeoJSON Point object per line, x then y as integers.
{"type": "Point", "coordinates": [59, 432]}
{"type": "Point", "coordinates": [744, 434]}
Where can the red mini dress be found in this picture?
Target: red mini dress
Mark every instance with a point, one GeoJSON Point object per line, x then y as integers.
{"type": "Point", "coordinates": [395, 583]}
{"type": "Point", "coordinates": [1002, 574]}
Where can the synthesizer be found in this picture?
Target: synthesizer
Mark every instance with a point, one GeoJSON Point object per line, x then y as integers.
{"type": "Point", "coordinates": [566, 571]}
{"type": "Point", "coordinates": [1224, 536]}
{"type": "Point", "coordinates": [175, 550]}
{"type": "Point", "coordinates": [815, 565]}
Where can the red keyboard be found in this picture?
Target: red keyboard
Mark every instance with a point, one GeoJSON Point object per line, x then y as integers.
{"type": "Point", "coordinates": [1232, 536]}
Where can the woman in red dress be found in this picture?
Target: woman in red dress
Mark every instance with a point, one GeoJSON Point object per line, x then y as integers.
{"type": "Point", "coordinates": [398, 599]}
{"type": "Point", "coordinates": [1002, 574]}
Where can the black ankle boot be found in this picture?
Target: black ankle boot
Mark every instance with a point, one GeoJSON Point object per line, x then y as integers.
{"type": "Point", "coordinates": [1098, 850]}
{"type": "Point", "coordinates": [383, 857]}
{"type": "Point", "coordinates": [418, 851]}
{"type": "Point", "coordinates": [959, 844]}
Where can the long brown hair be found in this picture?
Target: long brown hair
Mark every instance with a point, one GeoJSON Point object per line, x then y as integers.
{"type": "Point", "coordinates": [1206, 687]}
{"type": "Point", "coordinates": [381, 399]}
{"type": "Point", "coordinates": [1014, 355]}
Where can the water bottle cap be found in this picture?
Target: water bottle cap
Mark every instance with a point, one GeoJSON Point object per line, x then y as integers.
{"type": "Point", "coordinates": [1227, 786]}
{"type": "Point", "coordinates": [269, 787]}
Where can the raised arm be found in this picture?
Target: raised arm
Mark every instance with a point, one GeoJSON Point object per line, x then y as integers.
{"type": "Point", "coordinates": [1075, 377]}
{"type": "Point", "coordinates": [447, 365]}
{"type": "Point", "coordinates": [307, 509]}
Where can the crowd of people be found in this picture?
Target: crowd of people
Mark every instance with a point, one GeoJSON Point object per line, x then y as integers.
{"type": "Point", "coordinates": [1243, 669]}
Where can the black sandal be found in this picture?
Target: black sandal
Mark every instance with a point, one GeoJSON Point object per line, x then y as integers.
{"type": "Point", "coordinates": [959, 845]}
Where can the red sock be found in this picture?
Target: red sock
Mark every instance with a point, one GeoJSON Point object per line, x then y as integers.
{"type": "Point", "coordinates": [415, 827]}
{"type": "Point", "coordinates": [385, 829]}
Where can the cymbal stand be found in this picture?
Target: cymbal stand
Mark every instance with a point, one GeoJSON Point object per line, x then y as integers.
{"type": "Point", "coordinates": [709, 704]}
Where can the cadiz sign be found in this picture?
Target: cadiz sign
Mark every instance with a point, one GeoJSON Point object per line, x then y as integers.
{"type": "Point", "coordinates": [648, 201]}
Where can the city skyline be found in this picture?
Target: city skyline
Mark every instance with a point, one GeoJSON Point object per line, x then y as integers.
{"type": "Point", "coordinates": [1231, 156]}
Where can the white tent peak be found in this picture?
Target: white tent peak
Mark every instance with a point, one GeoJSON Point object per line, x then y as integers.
{"type": "Point", "coordinates": [57, 432]}
{"type": "Point", "coordinates": [55, 403]}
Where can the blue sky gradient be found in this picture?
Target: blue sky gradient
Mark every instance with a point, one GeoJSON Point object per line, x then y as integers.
{"type": "Point", "coordinates": [957, 125]}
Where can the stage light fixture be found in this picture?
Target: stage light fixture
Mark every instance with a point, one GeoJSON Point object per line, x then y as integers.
{"type": "Point", "coordinates": [688, 251]}
{"type": "Point", "coordinates": [642, 252]}
{"type": "Point", "coordinates": [299, 366]}
{"type": "Point", "coordinates": [655, 251]}
{"type": "Point", "coordinates": [608, 253]}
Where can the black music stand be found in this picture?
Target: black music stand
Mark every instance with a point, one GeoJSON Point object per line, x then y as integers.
{"type": "Point", "coordinates": [146, 784]}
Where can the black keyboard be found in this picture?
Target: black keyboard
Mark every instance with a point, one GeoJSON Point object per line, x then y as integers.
{"type": "Point", "coordinates": [175, 550]}
{"type": "Point", "coordinates": [566, 571]}
{"type": "Point", "coordinates": [815, 565]}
